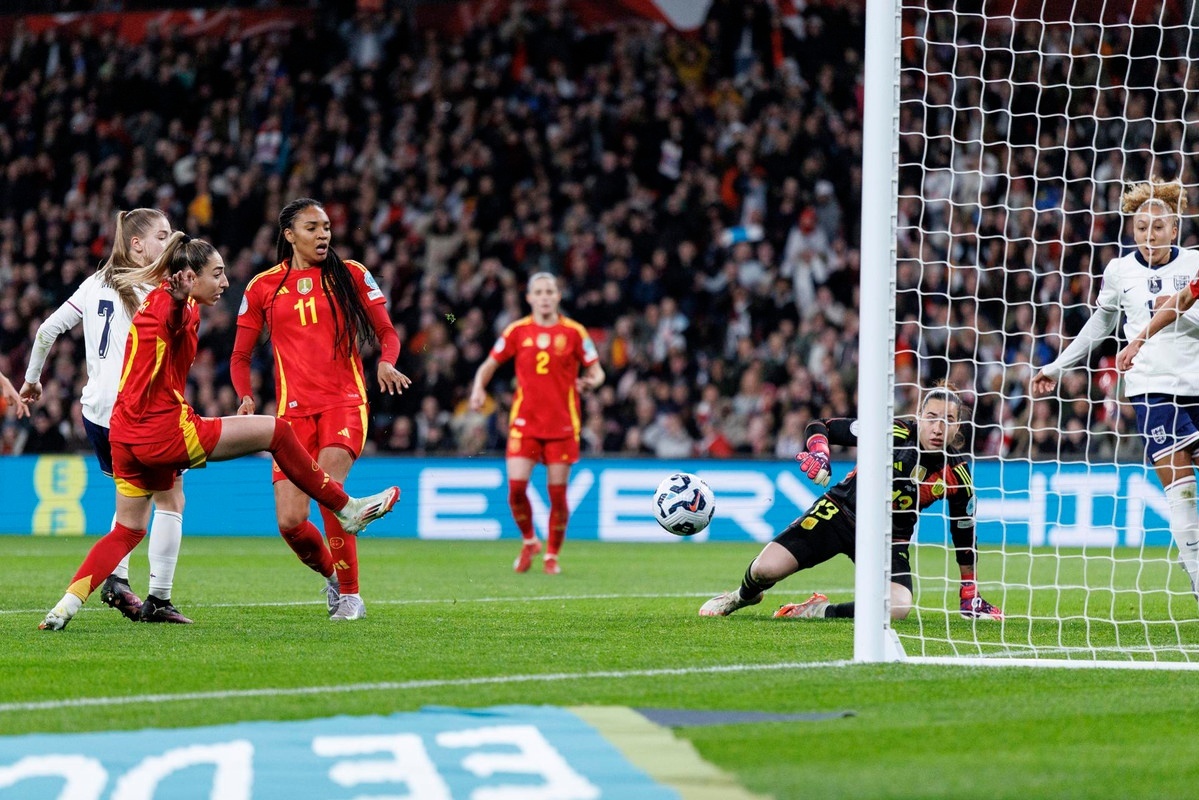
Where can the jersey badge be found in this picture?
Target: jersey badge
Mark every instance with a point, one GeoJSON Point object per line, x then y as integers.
{"type": "Point", "coordinates": [1180, 282]}
{"type": "Point", "coordinates": [245, 305]}
{"type": "Point", "coordinates": [375, 292]}
{"type": "Point", "coordinates": [938, 489]}
{"type": "Point", "coordinates": [1155, 283]}
{"type": "Point", "coordinates": [304, 285]}
{"type": "Point", "coordinates": [543, 341]}
{"type": "Point", "coordinates": [560, 343]}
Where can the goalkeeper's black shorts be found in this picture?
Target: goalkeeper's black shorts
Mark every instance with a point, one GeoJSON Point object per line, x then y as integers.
{"type": "Point", "coordinates": [825, 530]}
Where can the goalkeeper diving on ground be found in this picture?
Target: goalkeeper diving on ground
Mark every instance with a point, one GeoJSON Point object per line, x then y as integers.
{"type": "Point", "coordinates": [926, 467]}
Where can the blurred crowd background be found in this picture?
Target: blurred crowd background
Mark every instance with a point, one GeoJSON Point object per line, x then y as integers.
{"type": "Point", "coordinates": [697, 194]}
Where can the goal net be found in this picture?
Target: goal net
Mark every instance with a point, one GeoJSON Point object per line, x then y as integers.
{"type": "Point", "coordinates": [1020, 125]}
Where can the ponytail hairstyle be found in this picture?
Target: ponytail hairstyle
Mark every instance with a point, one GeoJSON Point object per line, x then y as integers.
{"type": "Point", "coordinates": [355, 330]}
{"type": "Point", "coordinates": [183, 252]}
{"type": "Point", "coordinates": [946, 392]}
{"type": "Point", "coordinates": [120, 271]}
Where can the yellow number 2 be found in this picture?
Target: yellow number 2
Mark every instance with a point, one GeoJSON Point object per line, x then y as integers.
{"type": "Point", "coordinates": [543, 362]}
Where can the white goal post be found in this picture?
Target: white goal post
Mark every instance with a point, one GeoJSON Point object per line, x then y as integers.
{"type": "Point", "coordinates": [998, 139]}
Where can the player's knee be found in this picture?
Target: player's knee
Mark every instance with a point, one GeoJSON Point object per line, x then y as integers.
{"type": "Point", "coordinates": [171, 501]}
{"type": "Point", "coordinates": [767, 570]}
{"type": "Point", "coordinates": [281, 429]}
{"type": "Point", "coordinates": [901, 601]}
{"type": "Point", "coordinates": [289, 520]}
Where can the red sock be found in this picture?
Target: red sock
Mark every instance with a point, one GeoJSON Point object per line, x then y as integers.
{"type": "Point", "coordinates": [306, 542]}
{"type": "Point", "coordinates": [103, 558]}
{"type": "Point", "coordinates": [345, 552]}
{"type": "Point", "coordinates": [296, 463]}
{"type": "Point", "coordinates": [522, 509]}
{"type": "Point", "coordinates": [559, 514]}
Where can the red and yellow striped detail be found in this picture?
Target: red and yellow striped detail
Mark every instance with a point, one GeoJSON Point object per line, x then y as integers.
{"type": "Point", "coordinates": [282, 385]}
{"type": "Point", "coordinates": [576, 424]}
{"type": "Point", "coordinates": [127, 489]}
{"type": "Point", "coordinates": [196, 457]}
{"type": "Point", "coordinates": [130, 353]}
{"type": "Point", "coordinates": [517, 399]}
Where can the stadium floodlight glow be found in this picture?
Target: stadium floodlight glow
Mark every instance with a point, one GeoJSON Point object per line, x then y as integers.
{"type": "Point", "coordinates": [995, 152]}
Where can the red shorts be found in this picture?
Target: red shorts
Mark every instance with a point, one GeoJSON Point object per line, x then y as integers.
{"type": "Point", "coordinates": [343, 427]}
{"type": "Point", "coordinates": [142, 468]}
{"type": "Point", "coordinates": [542, 451]}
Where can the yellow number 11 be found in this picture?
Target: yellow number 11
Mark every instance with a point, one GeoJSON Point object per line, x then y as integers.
{"type": "Point", "coordinates": [311, 304]}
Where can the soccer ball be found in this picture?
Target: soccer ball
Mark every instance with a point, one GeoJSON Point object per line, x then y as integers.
{"type": "Point", "coordinates": [683, 504]}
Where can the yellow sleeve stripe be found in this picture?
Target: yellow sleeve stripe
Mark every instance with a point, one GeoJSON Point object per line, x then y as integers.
{"type": "Point", "coordinates": [963, 474]}
{"type": "Point", "coordinates": [513, 326]}
{"type": "Point", "coordinates": [272, 271]}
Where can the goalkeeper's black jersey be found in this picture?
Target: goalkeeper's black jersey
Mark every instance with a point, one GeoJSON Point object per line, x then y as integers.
{"type": "Point", "coordinates": [917, 481]}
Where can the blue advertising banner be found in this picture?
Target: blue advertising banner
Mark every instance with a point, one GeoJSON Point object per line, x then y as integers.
{"type": "Point", "coordinates": [502, 752]}
{"type": "Point", "coordinates": [1069, 505]}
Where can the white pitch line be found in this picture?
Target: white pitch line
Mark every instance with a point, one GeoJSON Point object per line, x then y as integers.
{"type": "Point", "coordinates": [434, 601]}
{"type": "Point", "coordinates": [399, 686]}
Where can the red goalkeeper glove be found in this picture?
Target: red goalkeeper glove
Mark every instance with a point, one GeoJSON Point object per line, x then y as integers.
{"type": "Point", "coordinates": [973, 606]}
{"type": "Point", "coordinates": [814, 461]}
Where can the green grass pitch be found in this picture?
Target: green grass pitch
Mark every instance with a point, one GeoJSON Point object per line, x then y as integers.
{"type": "Point", "coordinates": [449, 623]}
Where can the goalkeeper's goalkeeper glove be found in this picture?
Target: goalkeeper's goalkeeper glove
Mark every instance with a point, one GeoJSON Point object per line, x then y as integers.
{"type": "Point", "coordinates": [973, 606]}
{"type": "Point", "coordinates": [814, 461]}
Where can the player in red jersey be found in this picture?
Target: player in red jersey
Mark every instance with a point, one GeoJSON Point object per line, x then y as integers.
{"type": "Point", "coordinates": [318, 311]}
{"type": "Point", "coordinates": [154, 432]}
{"type": "Point", "coordinates": [545, 421]}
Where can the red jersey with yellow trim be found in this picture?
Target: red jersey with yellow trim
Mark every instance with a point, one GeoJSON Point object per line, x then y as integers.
{"type": "Point", "coordinates": [548, 358]}
{"type": "Point", "coordinates": [160, 349]}
{"type": "Point", "coordinates": [310, 374]}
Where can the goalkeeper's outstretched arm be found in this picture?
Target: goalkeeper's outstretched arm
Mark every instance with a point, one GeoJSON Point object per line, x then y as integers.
{"type": "Point", "coordinates": [1165, 315]}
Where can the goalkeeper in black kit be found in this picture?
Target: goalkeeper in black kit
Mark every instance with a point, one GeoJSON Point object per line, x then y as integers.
{"type": "Point", "coordinates": [926, 468]}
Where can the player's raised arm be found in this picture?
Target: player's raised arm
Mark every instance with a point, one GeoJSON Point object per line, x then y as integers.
{"type": "Point", "coordinates": [1166, 314]}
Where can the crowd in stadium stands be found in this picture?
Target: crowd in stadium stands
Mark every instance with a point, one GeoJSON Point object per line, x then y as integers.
{"type": "Point", "coordinates": [698, 195]}
{"type": "Point", "coordinates": [1012, 161]}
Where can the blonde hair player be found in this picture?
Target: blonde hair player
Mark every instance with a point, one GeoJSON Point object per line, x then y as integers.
{"type": "Point", "coordinates": [155, 433]}
{"type": "Point", "coordinates": [105, 303]}
{"type": "Point", "coordinates": [1157, 273]}
{"type": "Point", "coordinates": [544, 423]}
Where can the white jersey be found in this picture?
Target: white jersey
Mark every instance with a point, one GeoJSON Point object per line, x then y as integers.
{"type": "Point", "coordinates": [1166, 363]}
{"type": "Point", "coordinates": [105, 331]}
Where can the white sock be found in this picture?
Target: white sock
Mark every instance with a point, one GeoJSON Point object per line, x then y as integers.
{"type": "Point", "coordinates": [166, 536]}
{"type": "Point", "coordinates": [1184, 524]}
{"type": "Point", "coordinates": [69, 603]}
{"type": "Point", "coordinates": [122, 570]}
